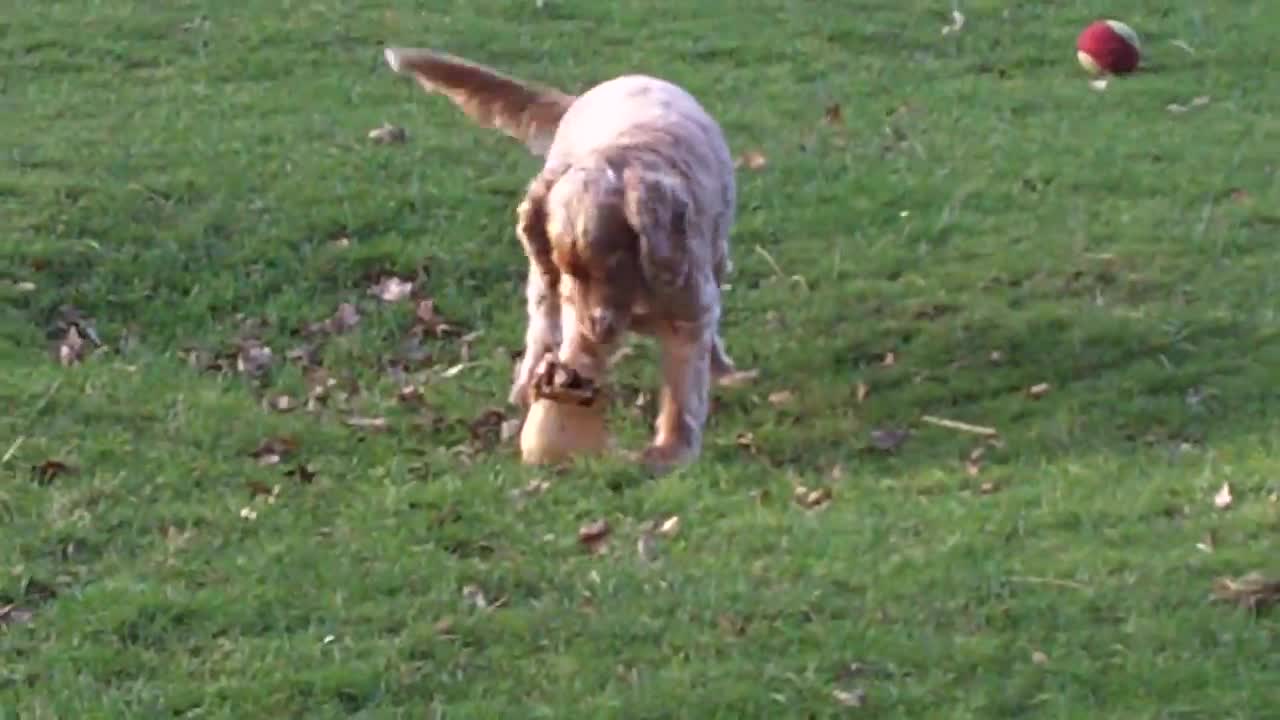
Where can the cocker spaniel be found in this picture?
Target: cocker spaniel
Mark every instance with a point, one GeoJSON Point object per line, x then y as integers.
{"type": "Point", "coordinates": [626, 227]}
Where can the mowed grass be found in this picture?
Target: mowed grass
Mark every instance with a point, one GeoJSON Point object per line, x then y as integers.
{"type": "Point", "coordinates": [186, 175]}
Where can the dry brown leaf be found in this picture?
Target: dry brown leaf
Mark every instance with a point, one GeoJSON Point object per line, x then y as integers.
{"type": "Point", "coordinates": [13, 615]}
{"type": "Point", "coordinates": [73, 348]}
{"type": "Point", "coordinates": [856, 697]}
{"type": "Point", "coordinates": [1253, 591]}
{"type": "Point", "coordinates": [1039, 390]}
{"type": "Point", "coordinates": [475, 597]}
{"type": "Point", "coordinates": [510, 429]}
{"type": "Point", "coordinates": [392, 289]}
{"type": "Point", "coordinates": [834, 114]}
{"type": "Point", "coordinates": [752, 160]}
{"type": "Point", "coordinates": [302, 473]}
{"type": "Point", "coordinates": [282, 403]}
{"type": "Point", "coordinates": [49, 470]}
{"type": "Point", "coordinates": [594, 535]}
{"type": "Point", "coordinates": [253, 358]}
{"type": "Point", "coordinates": [669, 527]}
{"type": "Point", "coordinates": [780, 398]}
{"type": "Point", "coordinates": [534, 488]}
{"type": "Point", "coordinates": [738, 378]}
{"type": "Point", "coordinates": [388, 134]}
{"type": "Point", "coordinates": [861, 392]}
{"type": "Point", "coordinates": [429, 319]}
{"type": "Point", "coordinates": [746, 441]}
{"type": "Point", "coordinates": [889, 439]}
{"type": "Point", "coordinates": [257, 488]}
{"type": "Point", "coordinates": [486, 428]}
{"type": "Point", "coordinates": [988, 488]}
{"type": "Point", "coordinates": [890, 359]}
{"type": "Point", "coordinates": [812, 498]}
{"type": "Point", "coordinates": [272, 450]}
{"type": "Point", "coordinates": [1223, 498]}
{"type": "Point", "coordinates": [345, 318]}
{"type": "Point", "coordinates": [409, 394]}
{"type": "Point", "coordinates": [366, 423]}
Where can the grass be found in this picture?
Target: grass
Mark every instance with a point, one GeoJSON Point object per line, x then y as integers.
{"type": "Point", "coordinates": [178, 173]}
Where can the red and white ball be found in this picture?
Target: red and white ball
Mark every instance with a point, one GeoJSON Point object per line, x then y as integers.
{"type": "Point", "coordinates": [1108, 47]}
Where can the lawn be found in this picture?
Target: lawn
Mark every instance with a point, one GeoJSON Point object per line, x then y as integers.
{"type": "Point", "coordinates": [280, 486]}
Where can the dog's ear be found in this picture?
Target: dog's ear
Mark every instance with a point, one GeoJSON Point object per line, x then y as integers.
{"type": "Point", "coordinates": [531, 224]}
{"type": "Point", "coordinates": [657, 209]}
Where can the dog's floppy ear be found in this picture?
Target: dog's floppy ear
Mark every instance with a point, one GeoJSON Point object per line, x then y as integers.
{"type": "Point", "coordinates": [527, 112]}
{"type": "Point", "coordinates": [657, 209]}
{"type": "Point", "coordinates": [531, 223]}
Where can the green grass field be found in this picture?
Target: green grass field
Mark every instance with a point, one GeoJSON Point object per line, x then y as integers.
{"type": "Point", "coordinates": [343, 532]}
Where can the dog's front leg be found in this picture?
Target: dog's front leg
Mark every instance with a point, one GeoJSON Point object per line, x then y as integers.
{"type": "Point", "coordinates": [687, 352]}
{"type": "Point", "coordinates": [542, 335]}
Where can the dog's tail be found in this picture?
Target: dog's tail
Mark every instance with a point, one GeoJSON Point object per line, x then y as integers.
{"type": "Point", "coordinates": [527, 112]}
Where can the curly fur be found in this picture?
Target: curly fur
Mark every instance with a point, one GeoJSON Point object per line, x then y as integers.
{"type": "Point", "coordinates": [626, 227]}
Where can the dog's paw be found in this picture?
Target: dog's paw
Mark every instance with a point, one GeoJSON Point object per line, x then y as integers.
{"type": "Point", "coordinates": [660, 459]}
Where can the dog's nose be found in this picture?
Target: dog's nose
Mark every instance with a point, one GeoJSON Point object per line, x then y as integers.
{"type": "Point", "coordinates": [601, 324]}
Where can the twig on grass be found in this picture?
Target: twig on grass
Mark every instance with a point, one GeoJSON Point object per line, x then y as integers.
{"type": "Point", "coordinates": [961, 426]}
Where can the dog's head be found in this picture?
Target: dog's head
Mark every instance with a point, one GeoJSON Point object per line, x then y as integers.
{"type": "Point", "coordinates": [594, 244]}
{"type": "Point", "coordinates": [618, 230]}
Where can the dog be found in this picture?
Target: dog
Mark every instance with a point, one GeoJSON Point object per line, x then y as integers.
{"type": "Point", "coordinates": [626, 227]}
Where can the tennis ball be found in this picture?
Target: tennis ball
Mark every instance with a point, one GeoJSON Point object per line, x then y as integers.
{"type": "Point", "coordinates": [1108, 47]}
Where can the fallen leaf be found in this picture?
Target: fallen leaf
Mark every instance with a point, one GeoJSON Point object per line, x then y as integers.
{"type": "Point", "coordinates": [890, 359]}
{"type": "Point", "coordinates": [996, 357]}
{"type": "Point", "coordinates": [409, 394]}
{"type": "Point", "coordinates": [14, 615]}
{"type": "Point", "coordinates": [72, 348]}
{"type": "Point", "coordinates": [957, 23]}
{"type": "Point", "coordinates": [889, 439]}
{"type": "Point", "coordinates": [669, 527]}
{"type": "Point", "coordinates": [593, 536]}
{"type": "Point", "coordinates": [475, 597]}
{"type": "Point", "coordinates": [1098, 84]}
{"type": "Point", "coordinates": [24, 286]}
{"type": "Point", "coordinates": [455, 370]}
{"type": "Point", "coordinates": [282, 403]}
{"type": "Point", "coordinates": [1223, 499]}
{"type": "Point", "coordinates": [1039, 390]}
{"type": "Point", "coordinates": [738, 378]}
{"type": "Point", "coordinates": [510, 429]}
{"type": "Point", "coordinates": [388, 134]}
{"type": "Point", "coordinates": [1196, 102]}
{"type": "Point", "coordinates": [988, 488]}
{"type": "Point", "coordinates": [49, 470]}
{"type": "Point", "coordinates": [302, 473]}
{"type": "Point", "coordinates": [429, 319]}
{"type": "Point", "coordinates": [392, 289]}
{"type": "Point", "coordinates": [1039, 658]}
{"type": "Point", "coordinates": [443, 626]}
{"type": "Point", "coordinates": [272, 450]}
{"type": "Point", "coordinates": [345, 318]}
{"type": "Point", "coordinates": [850, 698]}
{"type": "Point", "coordinates": [534, 488]}
{"type": "Point", "coordinates": [812, 499]}
{"type": "Point", "coordinates": [486, 428]}
{"type": "Point", "coordinates": [1253, 591]}
{"type": "Point", "coordinates": [746, 441]}
{"type": "Point", "coordinates": [253, 358]}
{"type": "Point", "coordinates": [257, 488]}
{"type": "Point", "coordinates": [752, 159]}
{"type": "Point", "coordinates": [366, 423]}
{"type": "Point", "coordinates": [1207, 544]}
{"type": "Point", "coordinates": [781, 397]}
{"type": "Point", "coordinates": [248, 513]}
{"type": "Point", "coordinates": [834, 115]}
{"type": "Point", "coordinates": [861, 391]}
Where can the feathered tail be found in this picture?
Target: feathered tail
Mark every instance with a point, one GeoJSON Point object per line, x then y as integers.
{"type": "Point", "coordinates": [527, 112]}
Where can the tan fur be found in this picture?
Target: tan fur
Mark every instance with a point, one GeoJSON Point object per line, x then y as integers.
{"type": "Point", "coordinates": [626, 227]}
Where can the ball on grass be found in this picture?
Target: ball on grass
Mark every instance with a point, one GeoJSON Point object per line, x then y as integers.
{"type": "Point", "coordinates": [1108, 47]}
